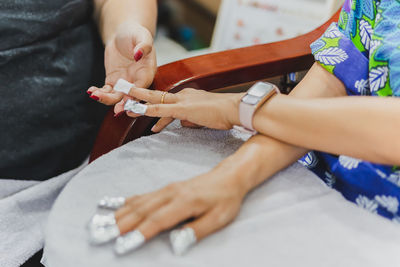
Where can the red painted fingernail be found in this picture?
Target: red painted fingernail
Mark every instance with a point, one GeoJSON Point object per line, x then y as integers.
{"type": "Point", "coordinates": [96, 98]}
{"type": "Point", "coordinates": [118, 114]}
{"type": "Point", "coordinates": [89, 93]}
{"type": "Point", "coordinates": [139, 54]}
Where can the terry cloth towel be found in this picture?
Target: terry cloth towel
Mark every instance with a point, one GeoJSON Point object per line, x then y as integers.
{"type": "Point", "coordinates": [293, 219]}
{"type": "Point", "coordinates": [24, 207]}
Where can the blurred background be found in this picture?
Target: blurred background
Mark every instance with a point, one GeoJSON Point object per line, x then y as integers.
{"type": "Point", "coordinates": [193, 27]}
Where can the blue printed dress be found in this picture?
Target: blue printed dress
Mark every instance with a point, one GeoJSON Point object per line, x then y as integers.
{"type": "Point", "coordinates": [363, 51]}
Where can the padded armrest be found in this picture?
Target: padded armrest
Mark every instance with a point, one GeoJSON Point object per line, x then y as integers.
{"type": "Point", "coordinates": [213, 71]}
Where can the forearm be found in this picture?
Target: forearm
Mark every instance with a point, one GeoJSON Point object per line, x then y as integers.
{"type": "Point", "coordinates": [363, 127]}
{"type": "Point", "coordinates": [257, 160]}
{"type": "Point", "coordinates": [261, 156]}
{"type": "Point", "coordinates": [111, 14]}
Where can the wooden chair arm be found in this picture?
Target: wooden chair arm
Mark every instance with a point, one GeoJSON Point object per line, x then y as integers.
{"type": "Point", "coordinates": [213, 71]}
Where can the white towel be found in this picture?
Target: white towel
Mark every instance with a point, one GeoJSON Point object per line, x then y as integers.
{"type": "Point", "coordinates": [24, 207]}
{"type": "Point", "coordinates": [291, 220]}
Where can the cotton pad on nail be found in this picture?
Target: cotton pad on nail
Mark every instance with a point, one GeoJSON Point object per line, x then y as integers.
{"type": "Point", "coordinates": [123, 86]}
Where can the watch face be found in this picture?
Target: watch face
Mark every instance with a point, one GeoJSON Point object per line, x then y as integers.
{"type": "Point", "coordinates": [258, 92]}
{"type": "Point", "coordinates": [260, 89]}
{"type": "Point", "coordinates": [251, 100]}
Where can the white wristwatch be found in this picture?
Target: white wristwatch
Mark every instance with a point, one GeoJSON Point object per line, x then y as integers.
{"type": "Point", "coordinates": [257, 95]}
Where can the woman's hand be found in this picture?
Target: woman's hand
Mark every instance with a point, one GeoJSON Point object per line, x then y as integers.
{"type": "Point", "coordinates": [213, 110]}
{"type": "Point", "coordinates": [212, 200]}
{"type": "Point", "coordinates": [129, 55]}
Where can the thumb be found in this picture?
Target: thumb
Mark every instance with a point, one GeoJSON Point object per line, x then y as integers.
{"type": "Point", "coordinates": [144, 44]}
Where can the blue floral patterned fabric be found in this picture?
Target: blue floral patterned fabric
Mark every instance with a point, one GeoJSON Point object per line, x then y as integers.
{"type": "Point", "coordinates": [363, 51]}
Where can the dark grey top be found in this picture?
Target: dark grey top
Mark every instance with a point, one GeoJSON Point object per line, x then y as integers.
{"type": "Point", "coordinates": [50, 53]}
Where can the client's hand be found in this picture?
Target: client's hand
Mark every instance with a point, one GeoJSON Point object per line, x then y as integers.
{"type": "Point", "coordinates": [128, 55]}
{"type": "Point", "coordinates": [212, 200]}
{"type": "Point", "coordinates": [213, 110]}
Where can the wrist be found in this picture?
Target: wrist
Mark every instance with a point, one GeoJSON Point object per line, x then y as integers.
{"type": "Point", "coordinates": [242, 173]}
{"type": "Point", "coordinates": [115, 15]}
{"type": "Point", "coordinates": [125, 29]}
{"type": "Point", "coordinates": [254, 98]}
{"type": "Point", "coordinates": [234, 114]}
{"type": "Point", "coordinates": [231, 178]}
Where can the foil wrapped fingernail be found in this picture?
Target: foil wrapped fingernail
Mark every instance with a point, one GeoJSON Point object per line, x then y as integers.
{"type": "Point", "coordinates": [102, 235]}
{"type": "Point", "coordinates": [111, 202]}
{"type": "Point", "coordinates": [123, 86]}
{"type": "Point", "coordinates": [182, 239]}
{"type": "Point", "coordinates": [99, 220]}
{"type": "Point", "coordinates": [129, 242]}
{"type": "Point", "coordinates": [102, 229]}
{"type": "Point", "coordinates": [135, 107]}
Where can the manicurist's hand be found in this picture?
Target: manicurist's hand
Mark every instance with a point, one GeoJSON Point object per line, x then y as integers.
{"type": "Point", "coordinates": [129, 55]}
{"type": "Point", "coordinates": [213, 110]}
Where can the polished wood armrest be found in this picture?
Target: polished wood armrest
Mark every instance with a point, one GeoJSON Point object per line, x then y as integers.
{"type": "Point", "coordinates": [209, 72]}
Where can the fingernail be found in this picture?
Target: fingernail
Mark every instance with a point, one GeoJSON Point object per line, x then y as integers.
{"type": "Point", "coordinates": [182, 240]}
{"type": "Point", "coordinates": [111, 202]}
{"type": "Point", "coordinates": [135, 107]}
{"type": "Point", "coordinates": [102, 229]}
{"type": "Point", "coordinates": [118, 114]}
{"type": "Point", "coordinates": [139, 54]}
{"type": "Point", "coordinates": [89, 93]}
{"type": "Point", "coordinates": [103, 235]}
{"type": "Point", "coordinates": [129, 242]}
{"type": "Point", "coordinates": [153, 129]}
{"type": "Point", "coordinates": [96, 98]}
{"type": "Point", "coordinates": [99, 220]}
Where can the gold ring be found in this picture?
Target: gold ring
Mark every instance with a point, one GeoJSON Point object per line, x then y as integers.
{"type": "Point", "coordinates": [163, 97]}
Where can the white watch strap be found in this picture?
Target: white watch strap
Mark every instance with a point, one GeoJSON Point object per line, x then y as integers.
{"type": "Point", "coordinates": [246, 116]}
{"type": "Point", "coordinates": [244, 130]}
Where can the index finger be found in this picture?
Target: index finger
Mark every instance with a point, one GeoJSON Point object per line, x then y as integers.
{"type": "Point", "coordinates": [152, 96]}
{"type": "Point", "coordinates": [153, 110]}
{"type": "Point", "coordinates": [105, 95]}
{"type": "Point", "coordinates": [161, 219]}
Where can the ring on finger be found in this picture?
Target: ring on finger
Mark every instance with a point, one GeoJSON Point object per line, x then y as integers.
{"type": "Point", "coordinates": [163, 97]}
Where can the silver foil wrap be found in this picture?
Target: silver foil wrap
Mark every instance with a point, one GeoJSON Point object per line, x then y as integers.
{"type": "Point", "coordinates": [129, 242]}
{"type": "Point", "coordinates": [181, 240]}
{"type": "Point", "coordinates": [135, 107]}
{"type": "Point", "coordinates": [111, 202]}
{"type": "Point", "coordinates": [102, 229]}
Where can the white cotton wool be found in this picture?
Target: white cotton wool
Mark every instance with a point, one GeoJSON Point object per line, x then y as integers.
{"type": "Point", "coordinates": [123, 86]}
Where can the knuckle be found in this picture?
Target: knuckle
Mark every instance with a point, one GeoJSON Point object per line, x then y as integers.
{"type": "Point", "coordinates": [132, 199]}
{"type": "Point", "coordinates": [174, 97]}
{"type": "Point", "coordinates": [185, 106]}
{"type": "Point", "coordinates": [175, 114]}
{"type": "Point", "coordinates": [138, 213]}
{"type": "Point", "coordinates": [155, 221]}
{"type": "Point", "coordinates": [176, 190]}
{"type": "Point", "coordinates": [199, 202]}
{"type": "Point", "coordinates": [188, 91]}
{"type": "Point", "coordinates": [156, 108]}
{"type": "Point", "coordinates": [185, 91]}
{"type": "Point", "coordinates": [152, 93]}
{"type": "Point", "coordinates": [181, 111]}
{"type": "Point", "coordinates": [173, 187]}
{"type": "Point", "coordinates": [222, 218]}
